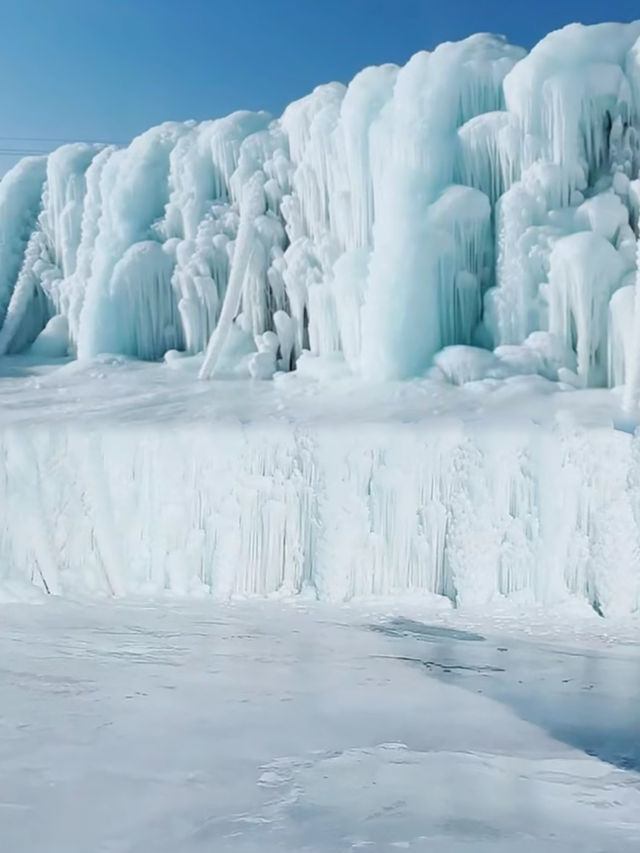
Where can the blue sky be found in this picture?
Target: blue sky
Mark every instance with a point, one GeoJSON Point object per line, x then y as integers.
{"type": "Point", "coordinates": [107, 69]}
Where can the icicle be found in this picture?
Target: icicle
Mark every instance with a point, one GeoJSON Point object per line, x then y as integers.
{"type": "Point", "coordinates": [620, 336]}
{"type": "Point", "coordinates": [585, 271]}
{"type": "Point", "coordinates": [252, 205]}
{"type": "Point", "coordinates": [490, 157]}
{"type": "Point", "coordinates": [632, 388]}
{"type": "Point", "coordinates": [64, 202]}
{"type": "Point", "coordinates": [20, 199]}
{"type": "Point", "coordinates": [29, 308]}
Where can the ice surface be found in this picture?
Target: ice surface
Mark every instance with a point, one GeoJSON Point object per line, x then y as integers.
{"type": "Point", "coordinates": [442, 203]}
{"type": "Point", "coordinates": [268, 728]}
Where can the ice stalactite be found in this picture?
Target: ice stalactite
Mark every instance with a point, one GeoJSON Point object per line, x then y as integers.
{"type": "Point", "coordinates": [201, 166]}
{"type": "Point", "coordinates": [632, 366]}
{"type": "Point", "coordinates": [434, 93]}
{"type": "Point", "coordinates": [141, 289]}
{"type": "Point", "coordinates": [133, 195]}
{"type": "Point", "coordinates": [480, 517]}
{"type": "Point", "coordinates": [490, 153]}
{"type": "Point", "coordinates": [620, 339]}
{"type": "Point", "coordinates": [252, 205]}
{"type": "Point", "coordinates": [29, 308]}
{"type": "Point", "coordinates": [20, 203]}
{"type": "Point", "coordinates": [201, 273]}
{"type": "Point", "coordinates": [63, 202]}
{"type": "Point", "coordinates": [73, 288]}
{"type": "Point", "coordinates": [585, 271]}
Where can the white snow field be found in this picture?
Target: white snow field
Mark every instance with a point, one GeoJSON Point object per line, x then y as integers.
{"type": "Point", "coordinates": [256, 728]}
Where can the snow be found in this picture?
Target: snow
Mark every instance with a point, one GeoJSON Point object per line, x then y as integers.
{"type": "Point", "coordinates": [461, 364]}
{"type": "Point", "coordinates": [249, 728]}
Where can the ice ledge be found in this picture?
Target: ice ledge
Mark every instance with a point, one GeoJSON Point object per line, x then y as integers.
{"type": "Point", "coordinates": [328, 493]}
{"type": "Point", "coordinates": [115, 391]}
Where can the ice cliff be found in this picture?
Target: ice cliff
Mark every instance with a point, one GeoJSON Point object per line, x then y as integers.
{"type": "Point", "coordinates": [473, 514]}
{"type": "Point", "coordinates": [476, 196]}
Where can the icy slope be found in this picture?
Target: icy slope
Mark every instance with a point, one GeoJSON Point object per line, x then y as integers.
{"type": "Point", "coordinates": [474, 196]}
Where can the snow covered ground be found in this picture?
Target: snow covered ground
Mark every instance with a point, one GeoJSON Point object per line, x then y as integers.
{"type": "Point", "coordinates": [266, 727]}
{"type": "Point", "coordinates": [115, 390]}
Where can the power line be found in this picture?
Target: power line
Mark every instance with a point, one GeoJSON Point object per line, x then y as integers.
{"type": "Point", "coordinates": [19, 152]}
{"type": "Point", "coordinates": [24, 150]}
{"type": "Point", "coordinates": [58, 139]}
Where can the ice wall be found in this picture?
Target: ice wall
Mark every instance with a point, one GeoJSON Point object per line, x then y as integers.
{"type": "Point", "coordinates": [476, 196]}
{"type": "Point", "coordinates": [534, 515]}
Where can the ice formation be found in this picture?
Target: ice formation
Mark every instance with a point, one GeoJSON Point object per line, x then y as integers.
{"type": "Point", "coordinates": [472, 215]}
{"type": "Point", "coordinates": [473, 197]}
{"type": "Point", "coordinates": [476, 515]}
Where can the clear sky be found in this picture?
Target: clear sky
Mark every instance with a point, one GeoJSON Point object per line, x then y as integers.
{"type": "Point", "coordinates": [108, 69]}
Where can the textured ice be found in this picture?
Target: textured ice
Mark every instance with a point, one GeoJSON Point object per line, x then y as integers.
{"type": "Point", "coordinates": [467, 221]}
{"type": "Point", "coordinates": [446, 202]}
{"type": "Point", "coordinates": [131, 479]}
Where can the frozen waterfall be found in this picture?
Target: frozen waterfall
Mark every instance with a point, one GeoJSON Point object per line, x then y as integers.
{"type": "Point", "coordinates": [468, 220]}
{"type": "Point", "coordinates": [473, 515]}
{"type": "Point", "coordinates": [475, 196]}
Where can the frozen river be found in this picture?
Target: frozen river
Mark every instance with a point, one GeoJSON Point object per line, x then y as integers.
{"type": "Point", "coordinates": [269, 727]}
